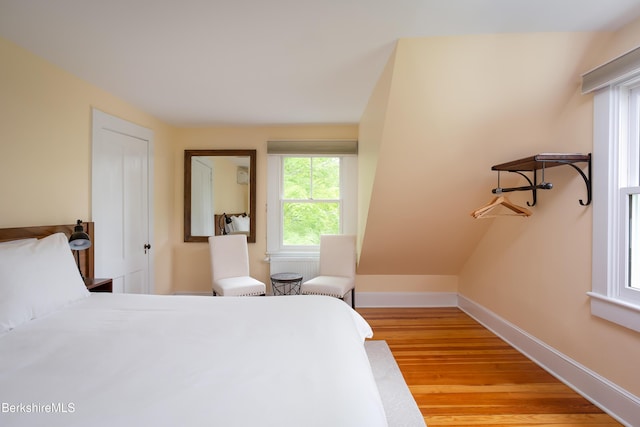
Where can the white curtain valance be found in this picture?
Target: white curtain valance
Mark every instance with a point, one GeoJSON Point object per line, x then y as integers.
{"type": "Point", "coordinates": [622, 67]}
{"type": "Point", "coordinates": [333, 147]}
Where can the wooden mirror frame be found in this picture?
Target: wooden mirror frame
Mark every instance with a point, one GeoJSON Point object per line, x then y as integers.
{"type": "Point", "coordinates": [188, 154]}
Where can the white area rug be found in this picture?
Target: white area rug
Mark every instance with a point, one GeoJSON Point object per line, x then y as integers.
{"type": "Point", "coordinates": [399, 405]}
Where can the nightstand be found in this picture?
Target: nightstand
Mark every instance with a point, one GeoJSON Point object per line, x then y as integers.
{"type": "Point", "coordinates": [99, 285]}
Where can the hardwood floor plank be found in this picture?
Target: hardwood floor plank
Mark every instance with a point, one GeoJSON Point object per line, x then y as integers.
{"type": "Point", "coordinates": [461, 374]}
{"type": "Point", "coordinates": [567, 420]}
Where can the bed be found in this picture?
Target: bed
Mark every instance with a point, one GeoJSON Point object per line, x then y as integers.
{"type": "Point", "coordinates": [232, 223]}
{"type": "Point", "coordinates": [100, 359]}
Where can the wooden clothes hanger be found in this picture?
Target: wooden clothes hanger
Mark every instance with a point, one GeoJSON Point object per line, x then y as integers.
{"type": "Point", "coordinates": [513, 209]}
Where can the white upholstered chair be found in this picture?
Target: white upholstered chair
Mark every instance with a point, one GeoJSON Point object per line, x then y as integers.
{"type": "Point", "coordinates": [337, 268]}
{"type": "Point", "coordinates": [230, 267]}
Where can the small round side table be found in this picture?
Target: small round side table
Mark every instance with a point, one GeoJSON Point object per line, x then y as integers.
{"type": "Point", "coordinates": [286, 283]}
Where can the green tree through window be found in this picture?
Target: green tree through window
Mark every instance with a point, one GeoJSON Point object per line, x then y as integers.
{"type": "Point", "coordinates": [310, 199]}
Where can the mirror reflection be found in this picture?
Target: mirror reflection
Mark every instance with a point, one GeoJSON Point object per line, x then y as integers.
{"type": "Point", "coordinates": [219, 193]}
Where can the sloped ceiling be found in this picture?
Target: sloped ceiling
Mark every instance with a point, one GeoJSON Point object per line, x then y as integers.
{"type": "Point", "coordinates": [212, 62]}
{"type": "Point", "coordinates": [455, 107]}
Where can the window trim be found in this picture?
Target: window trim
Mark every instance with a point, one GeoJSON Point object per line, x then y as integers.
{"type": "Point", "coordinates": [348, 205]}
{"type": "Point", "coordinates": [611, 123]}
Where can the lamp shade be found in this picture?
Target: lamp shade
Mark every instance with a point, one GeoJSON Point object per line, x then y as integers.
{"type": "Point", "coordinates": [79, 240]}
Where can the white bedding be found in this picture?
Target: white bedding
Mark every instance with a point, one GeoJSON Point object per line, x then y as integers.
{"type": "Point", "coordinates": [141, 360]}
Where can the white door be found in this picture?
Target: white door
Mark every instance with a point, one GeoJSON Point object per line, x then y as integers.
{"type": "Point", "coordinates": [121, 169]}
{"type": "Point", "coordinates": [201, 198]}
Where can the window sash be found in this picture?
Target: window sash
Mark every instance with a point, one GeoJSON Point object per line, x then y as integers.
{"type": "Point", "coordinates": [629, 251]}
{"type": "Point", "coordinates": [309, 200]}
{"type": "Point", "coordinates": [348, 203]}
{"type": "Point", "coordinates": [633, 150]}
{"type": "Point", "coordinates": [312, 189]}
{"type": "Point", "coordinates": [337, 205]}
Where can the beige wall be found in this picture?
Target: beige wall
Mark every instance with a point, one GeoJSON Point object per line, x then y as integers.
{"type": "Point", "coordinates": [535, 273]}
{"type": "Point", "coordinates": [191, 266]}
{"type": "Point", "coordinates": [370, 135]}
{"type": "Point", "coordinates": [229, 196]}
{"type": "Point", "coordinates": [375, 132]}
{"type": "Point", "coordinates": [45, 150]}
{"type": "Point", "coordinates": [457, 106]}
{"type": "Point", "coordinates": [445, 110]}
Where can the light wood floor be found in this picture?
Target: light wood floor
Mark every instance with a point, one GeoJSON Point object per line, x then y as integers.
{"type": "Point", "coordinates": [461, 374]}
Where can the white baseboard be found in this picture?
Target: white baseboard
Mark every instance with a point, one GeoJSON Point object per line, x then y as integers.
{"type": "Point", "coordinates": [617, 402]}
{"type": "Point", "coordinates": [406, 299]}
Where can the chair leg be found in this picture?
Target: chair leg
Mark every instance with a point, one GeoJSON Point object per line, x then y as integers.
{"type": "Point", "coordinates": [353, 298]}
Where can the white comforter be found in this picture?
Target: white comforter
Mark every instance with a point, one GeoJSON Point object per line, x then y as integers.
{"type": "Point", "coordinates": [140, 360]}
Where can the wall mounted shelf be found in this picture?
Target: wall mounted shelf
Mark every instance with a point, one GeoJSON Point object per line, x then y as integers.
{"type": "Point", "coordinates": [541, 162]}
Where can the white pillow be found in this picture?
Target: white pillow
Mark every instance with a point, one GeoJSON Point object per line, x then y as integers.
{"type": "Point", "coordinates": [17, 242]}
{"type": "Point", "coordinates": [37, 277]}
{"type": "Point", "coordinates": [240, 223]}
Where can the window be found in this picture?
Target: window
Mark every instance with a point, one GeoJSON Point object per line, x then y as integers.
{"type": "Point", "coordinates": [634, 238]}
{"type": "Point", "coordinates": [310, 199]}
{"type": "Point", "coordinates": [309, 195]}
{"type": "Point", "coordinates": [615, 293]}
{"type": "Point", "coordinates": [629, 203]}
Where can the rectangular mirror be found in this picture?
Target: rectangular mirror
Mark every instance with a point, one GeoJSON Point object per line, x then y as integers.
{"type": "Point", "coordinates": [219, 194]}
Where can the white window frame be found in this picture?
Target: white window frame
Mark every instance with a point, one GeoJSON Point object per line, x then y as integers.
{"type": "Point", "coordinates": [348, 202]}
{"type": "Point", "coordinates": [616, 121]}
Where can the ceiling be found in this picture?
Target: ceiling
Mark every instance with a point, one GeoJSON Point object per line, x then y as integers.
{"type": "Point", "coordinates": [249, 62]}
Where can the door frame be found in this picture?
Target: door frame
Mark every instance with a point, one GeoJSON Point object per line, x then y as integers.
{"type": "Point", "coordinates": [102, 120]}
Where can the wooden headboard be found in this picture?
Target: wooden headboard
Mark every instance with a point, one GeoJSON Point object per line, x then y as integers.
{"type": "Point", "coordinates": [86, 256]}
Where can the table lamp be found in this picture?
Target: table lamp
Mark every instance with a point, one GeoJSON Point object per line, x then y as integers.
{"type": "Point", "coordinates": [79, 241]}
